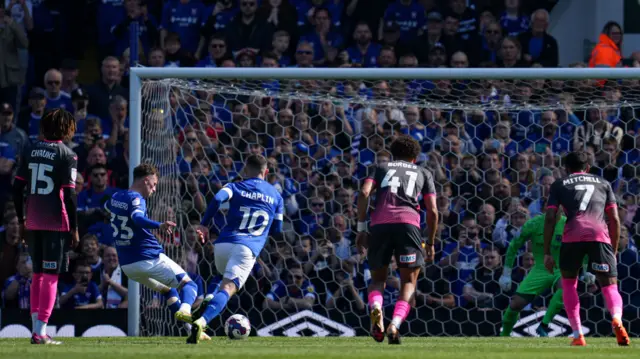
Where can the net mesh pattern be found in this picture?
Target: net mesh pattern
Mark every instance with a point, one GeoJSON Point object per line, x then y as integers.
{"type": "Point", "coordinates": [494, 147]}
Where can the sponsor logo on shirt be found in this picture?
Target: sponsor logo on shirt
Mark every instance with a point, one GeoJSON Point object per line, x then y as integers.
{"type": "Point", "coordinates": [408, 259]}
{"type": "Point", "coordinates": [600, 267]}
{"type": "Point", "coordinates": [49, 265]}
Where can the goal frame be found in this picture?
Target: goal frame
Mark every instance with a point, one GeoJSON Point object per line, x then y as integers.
{"type": "Point", "coordinates": [138, 74]}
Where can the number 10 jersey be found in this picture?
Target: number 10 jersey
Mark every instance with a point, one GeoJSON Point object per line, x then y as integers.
{"type": "Point", "coordinates": [584, 197]}
{"type": "Point", "coordinates": [47, 167]}
{"type": "Point", "coordinates": [399, 185]}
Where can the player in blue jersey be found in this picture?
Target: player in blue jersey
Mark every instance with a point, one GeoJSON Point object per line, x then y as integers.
{"type": "Point", "coordinates": [254, 204]}
{"type": "Point", "coordinates": [141, 256]}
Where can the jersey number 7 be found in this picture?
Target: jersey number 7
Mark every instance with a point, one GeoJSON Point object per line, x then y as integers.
{"type": "Point", "coordinates": [586, 197]}
{"type": "Point", "coordinates": [394, 182]}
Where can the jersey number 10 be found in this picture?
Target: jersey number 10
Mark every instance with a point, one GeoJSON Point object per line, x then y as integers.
{"type": "Point", "coordinates": [251, 224]}
{"type": "Point", "coordinates": [394, 182]}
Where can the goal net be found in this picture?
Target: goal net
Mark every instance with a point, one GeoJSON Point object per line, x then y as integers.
{"type": "Point", "coordinates": [494, 146]}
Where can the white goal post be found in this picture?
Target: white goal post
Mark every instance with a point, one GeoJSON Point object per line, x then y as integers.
{"type": "Point", "coordinates": [139, 75]}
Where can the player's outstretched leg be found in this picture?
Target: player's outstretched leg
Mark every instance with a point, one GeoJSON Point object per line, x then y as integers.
{"type": "Point", "coordinates": [555, 306]}
{"type": "Point", "coordinates": [378, 280]}
{"type": "Point", "coordinates": [207, 298]}
{"type": "Point", "coordinates": [216, 305]}
{"type": "Point", "coordinates": [511, 315]}
{"type": "Point", "coordinates": [408, 279]}
{"type": "Point", "coordinates": [188, 295]}
{"type": "Point", "coordinates": [572, 306]}
{"type": "Point", "coordinates": [613, 301]}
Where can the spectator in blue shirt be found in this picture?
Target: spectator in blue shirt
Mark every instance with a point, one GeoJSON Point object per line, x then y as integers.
{"type": "Point", "coordinates": [7, 164]}
{"type": "Point", "coordinates": [184, 17]}
{"type": "Point", "coordinates": [409, 16]}
{"type": "Point", "coordinates": [364, 51]}
{"type": "Point", "coordinates": [109, 13]}
{"type": "Point", "coordinates": [15, 293]}
{"type": "Point", "coordinates": [294, 293]}
{"type": "Point", "coordinates": [512, 20]}
{"type": "Point", "coordinates": [29, 120]}
{"type": "Point", "coordinates": [549, 135]}
{"type": "Point", "coordinates": [90, 200]}
{"type": "Point", "coordinates": [280, 47]}
{"type": "Point", "coordinates": [223, 13]}
{"type": "Point", "coordinates": [56, 98]}
{"type": "Point", "coordinates": [217, 52]}
{"type": "Point", "coordinates": [175, 53]}
{"type": "Point", "coordinates": [326, 43]}
{"type": "Point", "coordinates": [147, 30]}
{"type": "Point", "coordinates": [82, 293]}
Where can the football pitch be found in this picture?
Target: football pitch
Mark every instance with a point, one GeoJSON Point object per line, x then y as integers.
{"type": "Point", "coordinates": [311, 348]}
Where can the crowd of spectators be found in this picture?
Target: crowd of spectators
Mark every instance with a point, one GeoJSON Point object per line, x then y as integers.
{"type": "Point", "coordinates": [494, 147]}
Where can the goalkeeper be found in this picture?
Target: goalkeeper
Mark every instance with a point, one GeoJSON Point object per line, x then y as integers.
{"type": "Point", "coordinates": [538, 280]}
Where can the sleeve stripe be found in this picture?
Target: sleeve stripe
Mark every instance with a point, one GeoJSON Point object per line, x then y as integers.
{"type": "Point", "coordinates": [279, 217]}
{"type": "Point", "coordinates": [552, 207]}
{"type": "Point", "coordinates": [428, 194]}
{"type": "Point", "coordinates": [611, 205]}
{"type": "Point", "coordinates": [228, 191]}
{"type": "Point", "coordinates": [137, 211]}
{"type": "Point", "coordinates": [20, 178]}
{"type": "Point", "coordinates": [370, 180]}
{"type": "Point", "coordinates": [68, 186]}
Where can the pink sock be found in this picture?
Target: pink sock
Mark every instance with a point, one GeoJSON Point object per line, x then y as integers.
{"type": "Point", "coordinates": [613, 300]}
{"type": "Point", "coordinates": [47, 296]}
{"type": "Point", "coordinates": [375, 297]}
{"type": "Point", "coordinates": [572, 303]}
{"type": "Point", "coordinates": [34, 296]}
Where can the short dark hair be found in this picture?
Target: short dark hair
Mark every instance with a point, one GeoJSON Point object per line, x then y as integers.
{"type": "Point", "coordinates": [270, 55]}
{"type": "Point", "coordinates": [576, 161]}
{"type": "Point", "coordinates": [405, 147]}
{"type": "Point", "coordinates": [58, 125]}
{"type": "Point", "coordinates": [256, 163]}
{"type": "Point", "coordinates": [97, 166]}
{"type": "Point", "coordinates": [144, 170]}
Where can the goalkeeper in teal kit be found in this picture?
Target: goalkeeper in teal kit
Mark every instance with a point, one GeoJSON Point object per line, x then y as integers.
{"type": "Point", "coordinates": [539, 279]}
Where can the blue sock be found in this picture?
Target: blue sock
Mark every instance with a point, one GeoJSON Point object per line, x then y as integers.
{"type": "Point", "coordinates": [216, 305]}
{"type": "Point", "coordinates": [189, 293]}
{"type": "Point", "coordinates": [173, 293]}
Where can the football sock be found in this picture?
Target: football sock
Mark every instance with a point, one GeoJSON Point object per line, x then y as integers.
{"type": "Point", "coordinates": [48, 291]}
{"type": "Point", "coordinates": [555, 306]}
{"type": "Point", "coordinates": [173, 301]}
{"type": "Point", "coordinates": [572, 304]}
{"type": "Point", "coordinates": [509, 319]}
{"type": "Point", "coordinates": [188, 295]}
{"type": "Point", "coordinates": [34, 322]}
{"type": "Point", "coordinates": [400, 313]}
{"type": "Point", "coordinates": [613, 300]}
{"type": "Point", "coordinates": [215, 307]}
{"type": "Point", "coordinates": [34, 298]}
{"type": "Point", "coordinates": [375, 297]}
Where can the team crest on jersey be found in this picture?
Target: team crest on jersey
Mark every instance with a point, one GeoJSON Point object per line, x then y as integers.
{"type": "Point", "coordinates": [408, 259]}
{"type": "Point", "coordinates": [600, 267]}
{"type": "Point", "coordinates": [135, 202]}
{"type": "Point", "coordinates": [49, 265]}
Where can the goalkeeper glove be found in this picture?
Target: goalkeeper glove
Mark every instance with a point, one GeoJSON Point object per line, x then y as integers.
{"type": "Point", "coordinates": [505, 279]}
{"type": "Point", "coordinates": [588, 277]}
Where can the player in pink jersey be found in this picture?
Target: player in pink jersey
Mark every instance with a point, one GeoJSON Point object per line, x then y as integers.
{"type": "Point", "coordinates": [586, 199]}
{"type": "Point", "coordinates": [395, 230]}
{"type": "Point", "coordinates": [48, 173]}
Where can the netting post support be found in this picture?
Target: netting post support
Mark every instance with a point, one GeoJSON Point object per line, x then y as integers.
{"type": "Point", "coordinates": [135, 140]}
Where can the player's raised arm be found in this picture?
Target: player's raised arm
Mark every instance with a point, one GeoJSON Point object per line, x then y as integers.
{"type": "Point", "coordinates": [550, 220]}
{"type": "Point", "coordinates": [223, 195]}
{"type": "Point", "coordinates": [613, 219]}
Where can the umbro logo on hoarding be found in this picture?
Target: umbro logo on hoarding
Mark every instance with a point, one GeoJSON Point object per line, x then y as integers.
{"type": "Point", "coordinates": [559, 326]}
{"type": "Point", "coordinates": [306, 324]}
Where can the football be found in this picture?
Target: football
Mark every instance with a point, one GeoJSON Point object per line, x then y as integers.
{"type": "Point", "coordinates": [237, 327]}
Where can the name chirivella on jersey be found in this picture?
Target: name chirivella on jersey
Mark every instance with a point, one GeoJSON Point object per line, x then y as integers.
{"type": "Point", "coordinates": [258, 197]}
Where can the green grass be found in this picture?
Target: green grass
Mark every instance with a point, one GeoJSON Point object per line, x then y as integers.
{"type": "Point", "coordinates": [311, 348]}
